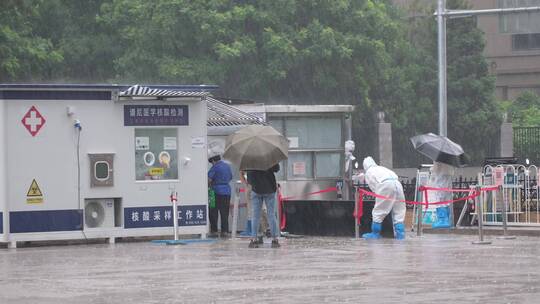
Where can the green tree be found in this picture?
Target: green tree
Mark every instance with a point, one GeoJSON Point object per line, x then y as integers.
{"type": "Point", "coordinates": [87, 45]}
{"type": "Point", "coordinates": [473, 114]}
{"type": "Point", "coordinates": [24, 55]}
{"type": "Point", "coordinates": [362, 52]}
{"type": "Point", "coordinates": [525, 110]}
{"type": "Point", "coordinates": [282, 51]}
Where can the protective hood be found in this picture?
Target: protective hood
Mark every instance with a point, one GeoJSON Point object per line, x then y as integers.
{"type": "Point", "coordinates": [212, 153]}
{"type": "Point", "coordinates": [368, 163]}
{"type": "Point", "coordinates": [215, 149]}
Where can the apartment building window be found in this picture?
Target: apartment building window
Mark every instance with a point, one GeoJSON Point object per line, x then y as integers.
{"type": "Point", "coordinates": [519, 23]}
{"type": "Point", "coordinates": [523, 42]}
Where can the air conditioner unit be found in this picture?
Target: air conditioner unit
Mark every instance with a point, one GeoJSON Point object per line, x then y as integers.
{"type": "Point", "coordinates": [99, 213]}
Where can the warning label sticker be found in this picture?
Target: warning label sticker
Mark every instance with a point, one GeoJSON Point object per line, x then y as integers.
{"type": "Point", "coordinates": [34, 194]}
{"type": "Point", "coordinates": [156, 171]}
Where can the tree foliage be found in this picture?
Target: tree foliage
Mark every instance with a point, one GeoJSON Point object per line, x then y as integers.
{"type": "Point", "coordinates": [525, 110]}
{"type": "Point", "coordinates": [361, 52]}
{"type": "Point", "coordinates": [473, 114]}
{"type": "Point", "coordinates": [23, 54]}
{"type": "Point", "coordinates": [88, 47]}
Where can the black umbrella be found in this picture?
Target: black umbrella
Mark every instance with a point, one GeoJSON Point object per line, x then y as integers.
{"type": "Point", "coordinates": [440, 148]}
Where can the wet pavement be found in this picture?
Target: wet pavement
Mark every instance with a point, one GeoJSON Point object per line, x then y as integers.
{"type": "Point", "coordinates": [431, 269]}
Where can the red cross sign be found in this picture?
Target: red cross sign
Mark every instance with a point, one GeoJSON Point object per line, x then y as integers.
{"type": "Point", "coordinates": [33, 121]}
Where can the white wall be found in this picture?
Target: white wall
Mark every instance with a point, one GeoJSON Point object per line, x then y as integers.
{"type": "Point", "coordinates": [50, 157]}
{"type": "Point", "coordinates": [3, 181]}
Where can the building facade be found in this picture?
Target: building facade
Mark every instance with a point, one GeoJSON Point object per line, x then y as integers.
{"type": "Point", "coordinates": [512, 44]}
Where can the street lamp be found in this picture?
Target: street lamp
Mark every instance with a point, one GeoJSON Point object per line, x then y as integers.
{"type": "Point", "coordinates": [442, 13]}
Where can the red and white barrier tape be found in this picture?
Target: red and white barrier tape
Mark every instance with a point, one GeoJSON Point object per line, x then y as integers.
{"type": "Point", "coordinates": [362, 192]}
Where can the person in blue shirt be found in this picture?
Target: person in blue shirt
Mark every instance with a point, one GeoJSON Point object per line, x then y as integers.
{"type": "Point", "coordinates": [219, 177]}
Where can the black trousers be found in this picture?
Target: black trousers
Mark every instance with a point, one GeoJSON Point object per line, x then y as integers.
{"type": "Point", "coordinates": [222, 205]}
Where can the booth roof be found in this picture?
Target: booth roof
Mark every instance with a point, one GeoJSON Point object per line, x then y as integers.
{"type": "Point", "coordinates": [144, 91]}
{"type": "Point", "coordinates": [221, 114]}
{"type": "Point", "coordinates": [58, 86]}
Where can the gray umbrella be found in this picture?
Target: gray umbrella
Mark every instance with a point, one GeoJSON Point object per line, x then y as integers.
{"type": "Point", "coordinates": [256, 147]}
{"type": "Point", "coordinates": [440, 148]}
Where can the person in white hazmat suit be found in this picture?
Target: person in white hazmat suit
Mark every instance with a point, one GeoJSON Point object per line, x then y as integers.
{"type": "Point", "coordinates": [384, 182]}
{"type": "Point", "coordinates": [441, 176]}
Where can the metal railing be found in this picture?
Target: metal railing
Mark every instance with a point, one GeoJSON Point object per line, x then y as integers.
{"type": "Point", "coordinates": [519, 197]}
{"type": "Point", "coordinates": [527, 143]}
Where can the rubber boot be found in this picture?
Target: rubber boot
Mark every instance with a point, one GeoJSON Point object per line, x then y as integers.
{"type": "Point", "coordinates": [247, 231]}
{"type": "Point", "coordinates": [443, 220]}
{"type": "Point", "coordinates": [375, 231]}
{"type": "Point", "coordinates": [399, 231]}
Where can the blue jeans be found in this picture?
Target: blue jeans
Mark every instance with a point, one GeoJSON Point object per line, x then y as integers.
{"type": "Point", "coordinates": [256, 203]}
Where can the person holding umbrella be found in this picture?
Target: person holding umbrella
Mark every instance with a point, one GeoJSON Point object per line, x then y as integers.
{"type": "Point", "coordinates": [446, 155]}
{"type": "Point", "coordinates": [384, 182]}
{"type": "Point", "coordinates": [263, 189]}
{"type": "Point", "coordinates": [258, 149]}
{"type": "Point", "coordinates": [441, 176]}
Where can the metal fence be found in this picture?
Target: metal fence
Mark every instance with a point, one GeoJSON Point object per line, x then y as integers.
{"type": "Point", "coordinates": [519, 197]}
{"type": "Point", "coordinates": [527, 144]}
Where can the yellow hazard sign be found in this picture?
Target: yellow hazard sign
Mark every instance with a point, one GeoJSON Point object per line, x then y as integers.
{"type": "Point", "coordinates": [34, 194]}
{"type": "Point", "coordinates": [34, 189]}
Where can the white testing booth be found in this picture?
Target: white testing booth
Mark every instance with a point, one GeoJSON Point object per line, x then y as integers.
{"type": "Point", "coordinates": [316, 164]}
{"type": "Point", "coordinates": [317, 135]}
{"type": "Point", "coordinates": [101, 161]}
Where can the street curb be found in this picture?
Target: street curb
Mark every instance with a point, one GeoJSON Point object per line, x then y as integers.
{"type": "Point", "coordinates": [520, 231]}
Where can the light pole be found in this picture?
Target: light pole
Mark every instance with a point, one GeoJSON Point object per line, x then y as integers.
{"type": "Point", "coordinates": [441, 43]}
{"type": "Point", "coordinates": [442, 13]}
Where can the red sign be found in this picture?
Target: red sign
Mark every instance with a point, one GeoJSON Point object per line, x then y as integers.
{"type": "Point", "coordinates": [33, 121]}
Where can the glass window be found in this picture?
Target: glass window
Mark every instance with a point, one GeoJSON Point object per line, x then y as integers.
{"type": "Point", "coordinates": [525, 22]}
{"type": "Point", "coordinates": [156, 154]}
{"type": "Point", "coordinates": [327, 164]}
{"type": "Point", "coordinates": [276, 123]}
{"type": "Point", "coordinates": [313, 132]}
{"type": "Point", "coordinates": [300, 165]}
{"type": "Point", "coordinates": [101, 170]}
{"type": "Point", "coordinates": [522, 42]}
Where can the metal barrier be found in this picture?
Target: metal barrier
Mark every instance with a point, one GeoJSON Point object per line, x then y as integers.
{"type": "Point", "coordinates": [479, 210]}
{"type": "Point", "coordinates": [519, 203]}
{"type": "Point", "coordinates": [240, 201]}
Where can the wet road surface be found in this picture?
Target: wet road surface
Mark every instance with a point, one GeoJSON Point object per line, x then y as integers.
{"type": "Point", "coordinates": [431, 269]}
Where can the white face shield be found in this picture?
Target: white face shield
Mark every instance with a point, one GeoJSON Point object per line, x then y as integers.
{"type": "Point", "coordinates": [349, 146]}
{"type": "Point", "coordinates": [215, 148]}
{"type": "Point", "coordinates": [349, 157]}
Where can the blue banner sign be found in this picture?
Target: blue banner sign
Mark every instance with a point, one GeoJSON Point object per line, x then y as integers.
{"type": "Point", "coordinates": [145, 217]}
{"type": "Point", "coordinates": [45, 220]}
{"type": "Point", "coordinates": [156, 115]}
